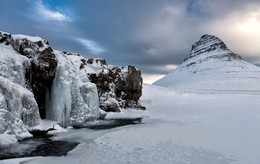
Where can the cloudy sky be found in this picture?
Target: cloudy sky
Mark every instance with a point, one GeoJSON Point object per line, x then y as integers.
{"type": "Point", "coordinates": [154, 35]}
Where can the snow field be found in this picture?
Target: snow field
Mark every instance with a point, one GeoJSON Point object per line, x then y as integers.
{"type": "Point", "coordinates": [181, 127]}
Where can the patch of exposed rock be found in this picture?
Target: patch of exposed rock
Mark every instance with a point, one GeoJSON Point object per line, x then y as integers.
{"type": "Point", "coordinates": [208, 44]}
{"type": "Point", "coordinates": [117, 87]}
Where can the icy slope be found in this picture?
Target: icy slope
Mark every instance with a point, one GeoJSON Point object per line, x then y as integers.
{"type": "Point", "coordinates": [212, 66]}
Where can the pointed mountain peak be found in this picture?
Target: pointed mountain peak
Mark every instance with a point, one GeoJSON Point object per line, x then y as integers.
{"type": "Point", "coordinates": [209, 44]}
{"type": "Point", "coordinates": [212, 66]}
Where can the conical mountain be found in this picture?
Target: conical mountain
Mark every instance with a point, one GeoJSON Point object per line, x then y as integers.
{"type": "Point", "coordinates": [212, 66]}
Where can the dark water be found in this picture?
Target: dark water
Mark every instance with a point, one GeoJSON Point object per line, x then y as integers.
{"type": "Point", "coordinates": [42, 145]}
{"type": "Point", "coordinates": [37, 146]}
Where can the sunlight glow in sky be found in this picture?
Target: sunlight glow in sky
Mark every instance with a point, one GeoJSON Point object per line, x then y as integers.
{"type": "Point", "coordinates": [91, 46]}
{"type": "Point", "coordinates": [251, 26]}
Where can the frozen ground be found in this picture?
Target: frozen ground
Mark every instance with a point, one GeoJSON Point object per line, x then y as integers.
{"type": "Point", "coordinates": [197, 127]}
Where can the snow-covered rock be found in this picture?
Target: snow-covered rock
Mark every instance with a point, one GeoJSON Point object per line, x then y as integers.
{"type": "Point", "coordinates": [118, 88]}
{"type": "Point", "coordinates": [39, 69]}
{"type": "Point", "coordinates": [212, 66]}
{"type": "Point", "coordinates": [37, 82]}
{"type": "Point", "coordinates": [18, 108]}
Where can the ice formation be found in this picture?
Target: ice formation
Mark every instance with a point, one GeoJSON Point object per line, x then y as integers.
{"type": "Point", "coordinates": [18, 108]}
{"type": "Point", "coordinates": [73, 99]}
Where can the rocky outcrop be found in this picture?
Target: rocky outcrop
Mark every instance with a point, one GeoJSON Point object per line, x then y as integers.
{"type": "Point", "coordinates": [117, 87]}
{"type": "Point", "coordinates": [18, 108]}
{"type": "Point", "coordinates": [39, 82]}
{"type": "Point", "coordinates": [36, 81]}
{"type": "Point", "coordinates": [40, 72]}
{"type": "Point", "coordinates": [42, 75]}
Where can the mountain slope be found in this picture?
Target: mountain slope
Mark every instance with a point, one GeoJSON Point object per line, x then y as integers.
{"type": "Point", "coordinates": [212, 66]}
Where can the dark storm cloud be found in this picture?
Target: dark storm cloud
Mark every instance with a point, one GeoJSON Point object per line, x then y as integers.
{"type": "Point", "coordinates": [153, 35]}
{"type": "Point", "coordinates": [123, 28]}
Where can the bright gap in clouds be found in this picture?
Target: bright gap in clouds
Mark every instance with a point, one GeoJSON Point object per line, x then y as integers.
{"type": "Point", "coordinates": [91, 46]}
{"type": "Point", "coordinates": [251, 26]}
{"type": "Point", "coordinates": [151, 78]}
{"type": "Point", "coordinates": [241, 32]}
{"type": "Point", "coordinates": [49, 14]}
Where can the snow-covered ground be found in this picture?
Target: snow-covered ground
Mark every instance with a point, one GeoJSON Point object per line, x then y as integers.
{"type": "Point", "coordinates": [179, 127]}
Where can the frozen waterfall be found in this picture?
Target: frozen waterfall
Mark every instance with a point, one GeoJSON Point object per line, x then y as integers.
{"type": "Point", "coordinates": [73, 99]}
{"type": "Point", "coordinates": [60, 97]}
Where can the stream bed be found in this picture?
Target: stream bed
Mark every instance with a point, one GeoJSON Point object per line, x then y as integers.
{"type": "Point", "coordinates": [37, 146]}
{"type": "Point", "coordinates": [42, 145]}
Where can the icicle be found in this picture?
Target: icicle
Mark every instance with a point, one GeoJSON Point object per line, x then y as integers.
{"type": "Point", "coordinates": [60, 103]}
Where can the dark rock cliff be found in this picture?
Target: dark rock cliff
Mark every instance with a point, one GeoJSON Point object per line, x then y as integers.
{"type": "Point", "coordinates": [117, 87]}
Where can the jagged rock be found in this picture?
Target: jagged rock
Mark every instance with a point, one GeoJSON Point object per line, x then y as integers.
{"type": "Point", "coordinates": [42, 75]}
{"type": "Point", "coordinates": [117, 87]}
{"type": "Point", "coordinates": [133, 87]}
